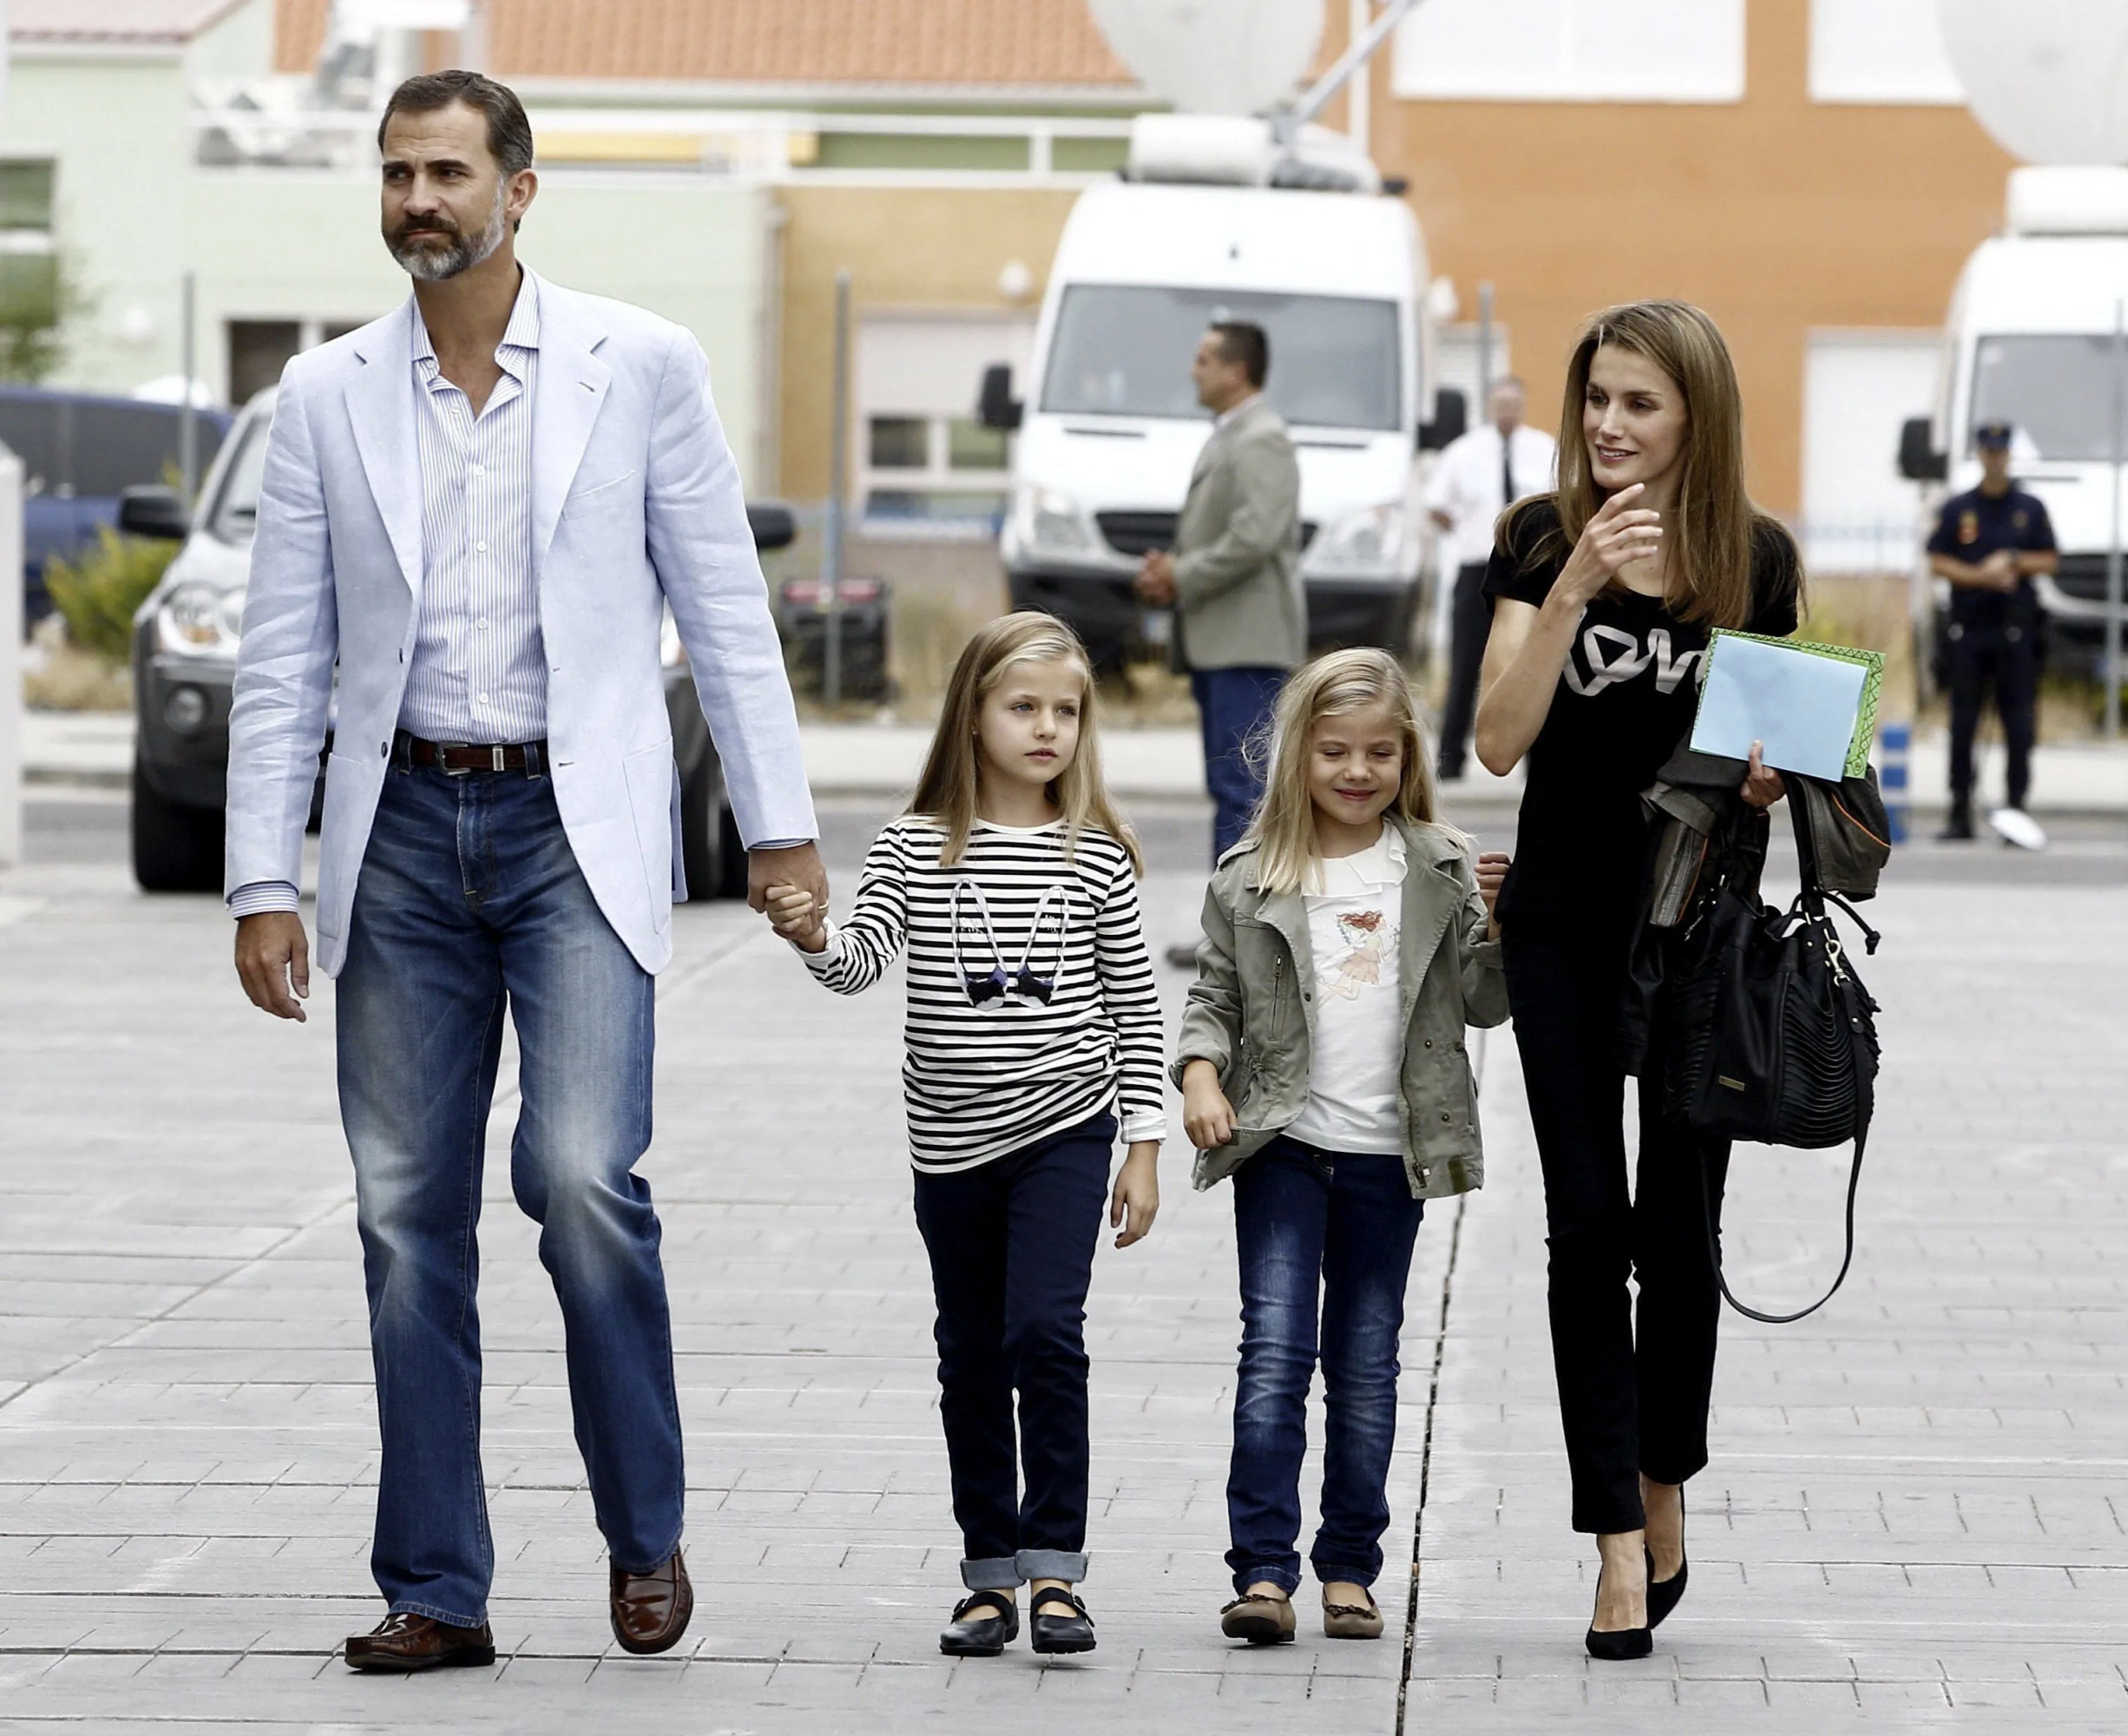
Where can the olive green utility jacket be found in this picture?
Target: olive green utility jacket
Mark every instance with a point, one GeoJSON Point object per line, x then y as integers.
{"type": "Point", "coordinates": [1251, 1010]}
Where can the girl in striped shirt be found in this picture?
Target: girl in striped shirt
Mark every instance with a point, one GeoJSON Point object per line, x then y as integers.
{"type": "Point", "coordinates": [1033, 1030]}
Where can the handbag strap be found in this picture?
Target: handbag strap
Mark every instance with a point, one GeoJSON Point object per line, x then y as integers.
{"type": "Point", "coordinates": [1865, 1112]}
{"type": "Point", "coordinates": [1847, 1258]}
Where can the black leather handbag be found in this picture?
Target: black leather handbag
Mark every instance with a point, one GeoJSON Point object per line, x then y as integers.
{"type": "Point", "coordinates": [1772, 1035]}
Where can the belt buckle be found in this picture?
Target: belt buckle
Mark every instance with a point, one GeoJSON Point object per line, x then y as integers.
{"type": "Point", "coordinates": [444, 749]}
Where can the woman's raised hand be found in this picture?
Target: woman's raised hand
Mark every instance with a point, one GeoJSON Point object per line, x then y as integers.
{"type": "Point", "coordinates": [793, 915]}
{"type": "Point", "coordinates": [1207, 1117]}
{"type": "Point", "coordinates": [1620, 534]}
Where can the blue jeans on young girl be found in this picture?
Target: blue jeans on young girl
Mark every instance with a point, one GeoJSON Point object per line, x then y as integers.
{"type": "Point", "coordinates": [470, 908]}
{"type": "Point", "coordinates": [1305, 1217]}
{"type": "Point", "coordinates": [1012, 1246]}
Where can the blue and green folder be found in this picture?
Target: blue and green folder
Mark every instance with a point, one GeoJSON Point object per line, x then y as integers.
{"type": "Point", "coordinates": [1813, 708]}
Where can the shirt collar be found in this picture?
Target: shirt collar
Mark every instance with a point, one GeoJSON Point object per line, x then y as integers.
{"type": "Point", "coordinates": [1227, 415]}
{"type": "Point", "coordinates": [520, 336]}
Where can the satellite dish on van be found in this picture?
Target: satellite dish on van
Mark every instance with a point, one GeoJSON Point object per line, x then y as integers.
{"type": "Point", "coordinates": [2047, 78]}
{"type": "Point", "coordinates": [1214, 56]}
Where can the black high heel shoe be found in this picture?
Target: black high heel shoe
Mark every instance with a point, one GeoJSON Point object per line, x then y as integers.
{"type": "Point", "coordinates": [1665, 1594]}
{"type": "Point", "coordinates": [1618, 1644]}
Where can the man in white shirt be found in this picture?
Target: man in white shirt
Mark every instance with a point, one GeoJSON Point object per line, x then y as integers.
{"type": "Point", "coordinates": [1476, 479]}
{"type": "Point", "coordinates": [475, 515]}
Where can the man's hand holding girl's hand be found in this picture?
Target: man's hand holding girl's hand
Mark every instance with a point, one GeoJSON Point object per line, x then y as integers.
{"type": "Point", "coordinates": [1207, 1117]}
{"type": "Point", "coordinates": [794, 914]}
{"type": "Point", "coordinates": [1492, 876]}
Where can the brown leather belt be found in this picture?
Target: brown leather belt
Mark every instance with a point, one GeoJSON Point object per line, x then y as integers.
{"type": "Point", "coordinates": [460, 759]}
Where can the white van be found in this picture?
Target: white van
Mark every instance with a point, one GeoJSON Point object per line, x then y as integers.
{"type": "Point", "coordinates": [2030, 340]}
{"type": "Point", "coordinates": [1110, 426]}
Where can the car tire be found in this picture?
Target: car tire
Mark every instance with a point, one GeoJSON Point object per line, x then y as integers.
{"type": "Point", "coordinates": [176, 848]}
{"type": "Point", "coordinates": [732, 853]}
{"type": "Point", "coordinates": [711, 852]}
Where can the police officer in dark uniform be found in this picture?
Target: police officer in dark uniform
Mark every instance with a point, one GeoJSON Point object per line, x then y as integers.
{"type": "Point", "coordinates": [1988, 543]}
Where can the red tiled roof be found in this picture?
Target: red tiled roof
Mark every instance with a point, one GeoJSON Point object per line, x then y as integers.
{"type": "Point", "coordinates": [1011, 43]}
{"type": "Point", "coordinates": [103, 21]}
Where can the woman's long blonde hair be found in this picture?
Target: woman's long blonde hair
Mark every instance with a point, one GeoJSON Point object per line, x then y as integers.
{"type": "Point", "coordinates": [946, 791]}
{"type": "Point", "coordinates": [1337, 683]}
{"type": "Point", "coordinates": [1709, 539]}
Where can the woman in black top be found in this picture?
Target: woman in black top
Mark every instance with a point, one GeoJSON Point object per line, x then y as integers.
{"type": "Point", "coordinates": [1603, 595]}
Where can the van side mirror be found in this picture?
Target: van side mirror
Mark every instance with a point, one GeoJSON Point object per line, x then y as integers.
{"type": "Point", "coordinates": [773, 525]}
{"type": "Point", "coordinates": [996, 407]}
{"type": "Point", "coordinates": [1451, 419]}
{"type": "Point", "coordinates": [1919, 460]}
{"type": "Point", "coordinates": [153, 510]}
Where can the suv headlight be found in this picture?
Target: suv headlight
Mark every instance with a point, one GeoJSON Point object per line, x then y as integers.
{"type": "Point", "coordinates": [1054, 524]}
{"type": "Point", "coordinates": [1368, 543]}
{"type": "Point", "coordinates": [198, 620]}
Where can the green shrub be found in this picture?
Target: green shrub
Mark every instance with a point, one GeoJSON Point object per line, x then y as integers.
{"type": "Point", "coordinates": [100, 596]}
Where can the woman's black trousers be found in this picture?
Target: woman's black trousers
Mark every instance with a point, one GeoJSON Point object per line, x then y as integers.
{"type": "Point", "coordinates": [1633, 1383]}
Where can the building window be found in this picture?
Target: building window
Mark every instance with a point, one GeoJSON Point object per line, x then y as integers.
{"type": "Point", "coordinates": [260, 349]}
{"type": "Point", "coordinates": [1880, 51]}
{"type": "Point", "coordinates": [900, 443]}
{"type": "Point", "coordinates": [29, 264]}
{"type": "Point", "coordinates": [925, 466]}
{"type": "Point", "coordinates": [1572, 51]}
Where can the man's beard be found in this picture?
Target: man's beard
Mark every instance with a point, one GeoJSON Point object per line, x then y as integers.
{"type": "Point", "coordinates": [432, 258]}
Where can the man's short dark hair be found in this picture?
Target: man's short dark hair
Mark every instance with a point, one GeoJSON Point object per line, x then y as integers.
{"type": "Point", "coordinates": [510, 135]}
{"type": "Point", "coordinates": [1243, 341]}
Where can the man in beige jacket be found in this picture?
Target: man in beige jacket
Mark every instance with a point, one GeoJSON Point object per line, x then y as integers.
{"type": "Point", "coordinates": [1234, 577]}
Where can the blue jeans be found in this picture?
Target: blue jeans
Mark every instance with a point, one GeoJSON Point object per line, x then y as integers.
{"type": "Point", "coordinates": [1233, 705]}
{"type": "Point", "coordinates": [1012, 1246]}
{"type": "Point", "coordinates": [471, 901]}
{"type": "Point", "coordinates": [1305, 1217]}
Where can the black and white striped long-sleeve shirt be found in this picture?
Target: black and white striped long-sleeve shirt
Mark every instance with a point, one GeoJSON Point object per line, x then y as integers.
{"type": "Point", "coordinates": [984, 1080]}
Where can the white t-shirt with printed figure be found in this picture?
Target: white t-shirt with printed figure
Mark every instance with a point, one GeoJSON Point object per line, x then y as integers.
{"type": "Point", "coordinates": [1358, 1052]}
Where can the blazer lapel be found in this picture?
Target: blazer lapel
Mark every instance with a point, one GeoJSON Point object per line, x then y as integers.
{"type": "Point", "coordinates": [380, 409]}
{"type": "Point", "coordinates": [572, 382]}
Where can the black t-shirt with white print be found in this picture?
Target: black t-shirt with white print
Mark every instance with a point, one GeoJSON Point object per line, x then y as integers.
{"type": "Point", "coordinates": [1625, 700]}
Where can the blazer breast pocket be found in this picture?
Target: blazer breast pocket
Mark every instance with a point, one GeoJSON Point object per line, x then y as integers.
{"type": "Point", "coordinates": [602, 497]}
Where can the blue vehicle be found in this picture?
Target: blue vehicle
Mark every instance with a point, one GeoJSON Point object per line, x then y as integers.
{"type": "Point", "coordinates": [80, 454]}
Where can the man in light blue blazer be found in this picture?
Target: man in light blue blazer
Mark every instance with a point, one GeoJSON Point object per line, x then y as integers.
{"type": "Point", "coordinates": [479, 508]}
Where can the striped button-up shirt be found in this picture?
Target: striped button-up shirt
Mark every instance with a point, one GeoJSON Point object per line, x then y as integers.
{"type": "Point", "coordinates": [478, 671]}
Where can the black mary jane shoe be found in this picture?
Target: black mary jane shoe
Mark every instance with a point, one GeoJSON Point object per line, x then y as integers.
{"type": "Point", "coordinates": [1065, 1633]}
{"type": "Point", "coordinates": [1665, 1594]}
{"type": "Point", "coordinates": [1618, 1644]}
{"type": "Point", "coordinates": [984, 1623]}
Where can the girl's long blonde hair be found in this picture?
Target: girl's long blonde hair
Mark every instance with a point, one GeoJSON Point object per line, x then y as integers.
{"type": "Point", "coordinates": [946, 791]}
{"type": "Point", "coordinates": [1336, 684]}
{"type": "Point", "coordinates": [1712, 528]}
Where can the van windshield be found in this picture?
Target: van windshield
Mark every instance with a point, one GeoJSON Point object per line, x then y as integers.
{"type": "Point", "coordinates": [236, 508]}
{"type": "Point", "coordinates": [1125, 350]}
{"type": "Point", "coordinates": [2057, 390]}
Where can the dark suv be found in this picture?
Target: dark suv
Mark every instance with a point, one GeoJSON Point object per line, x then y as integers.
{"type": "Point", "coordinates": [184, 663]}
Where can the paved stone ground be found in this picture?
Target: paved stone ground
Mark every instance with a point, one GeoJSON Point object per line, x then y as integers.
{"type": "Point", "coordinates": [1915, 1514]}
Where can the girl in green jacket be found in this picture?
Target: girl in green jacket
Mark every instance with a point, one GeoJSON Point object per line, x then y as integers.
{"type": "Point", "coordinates": [1347, 943]}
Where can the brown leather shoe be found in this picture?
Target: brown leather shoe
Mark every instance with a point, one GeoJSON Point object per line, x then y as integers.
{"type": "Point", "coordinates": [651, 1609]}
{"type": "Point", "coordinates": [403, 1644]}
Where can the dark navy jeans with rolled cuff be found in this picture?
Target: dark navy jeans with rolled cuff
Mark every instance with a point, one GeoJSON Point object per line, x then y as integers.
{"type": "Point", "coordinates": [1012, 1246]}
{"type": "Point", "coordinates": [1313, 1224]}
{"type": "Point", "coordinates": [470, 908]}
